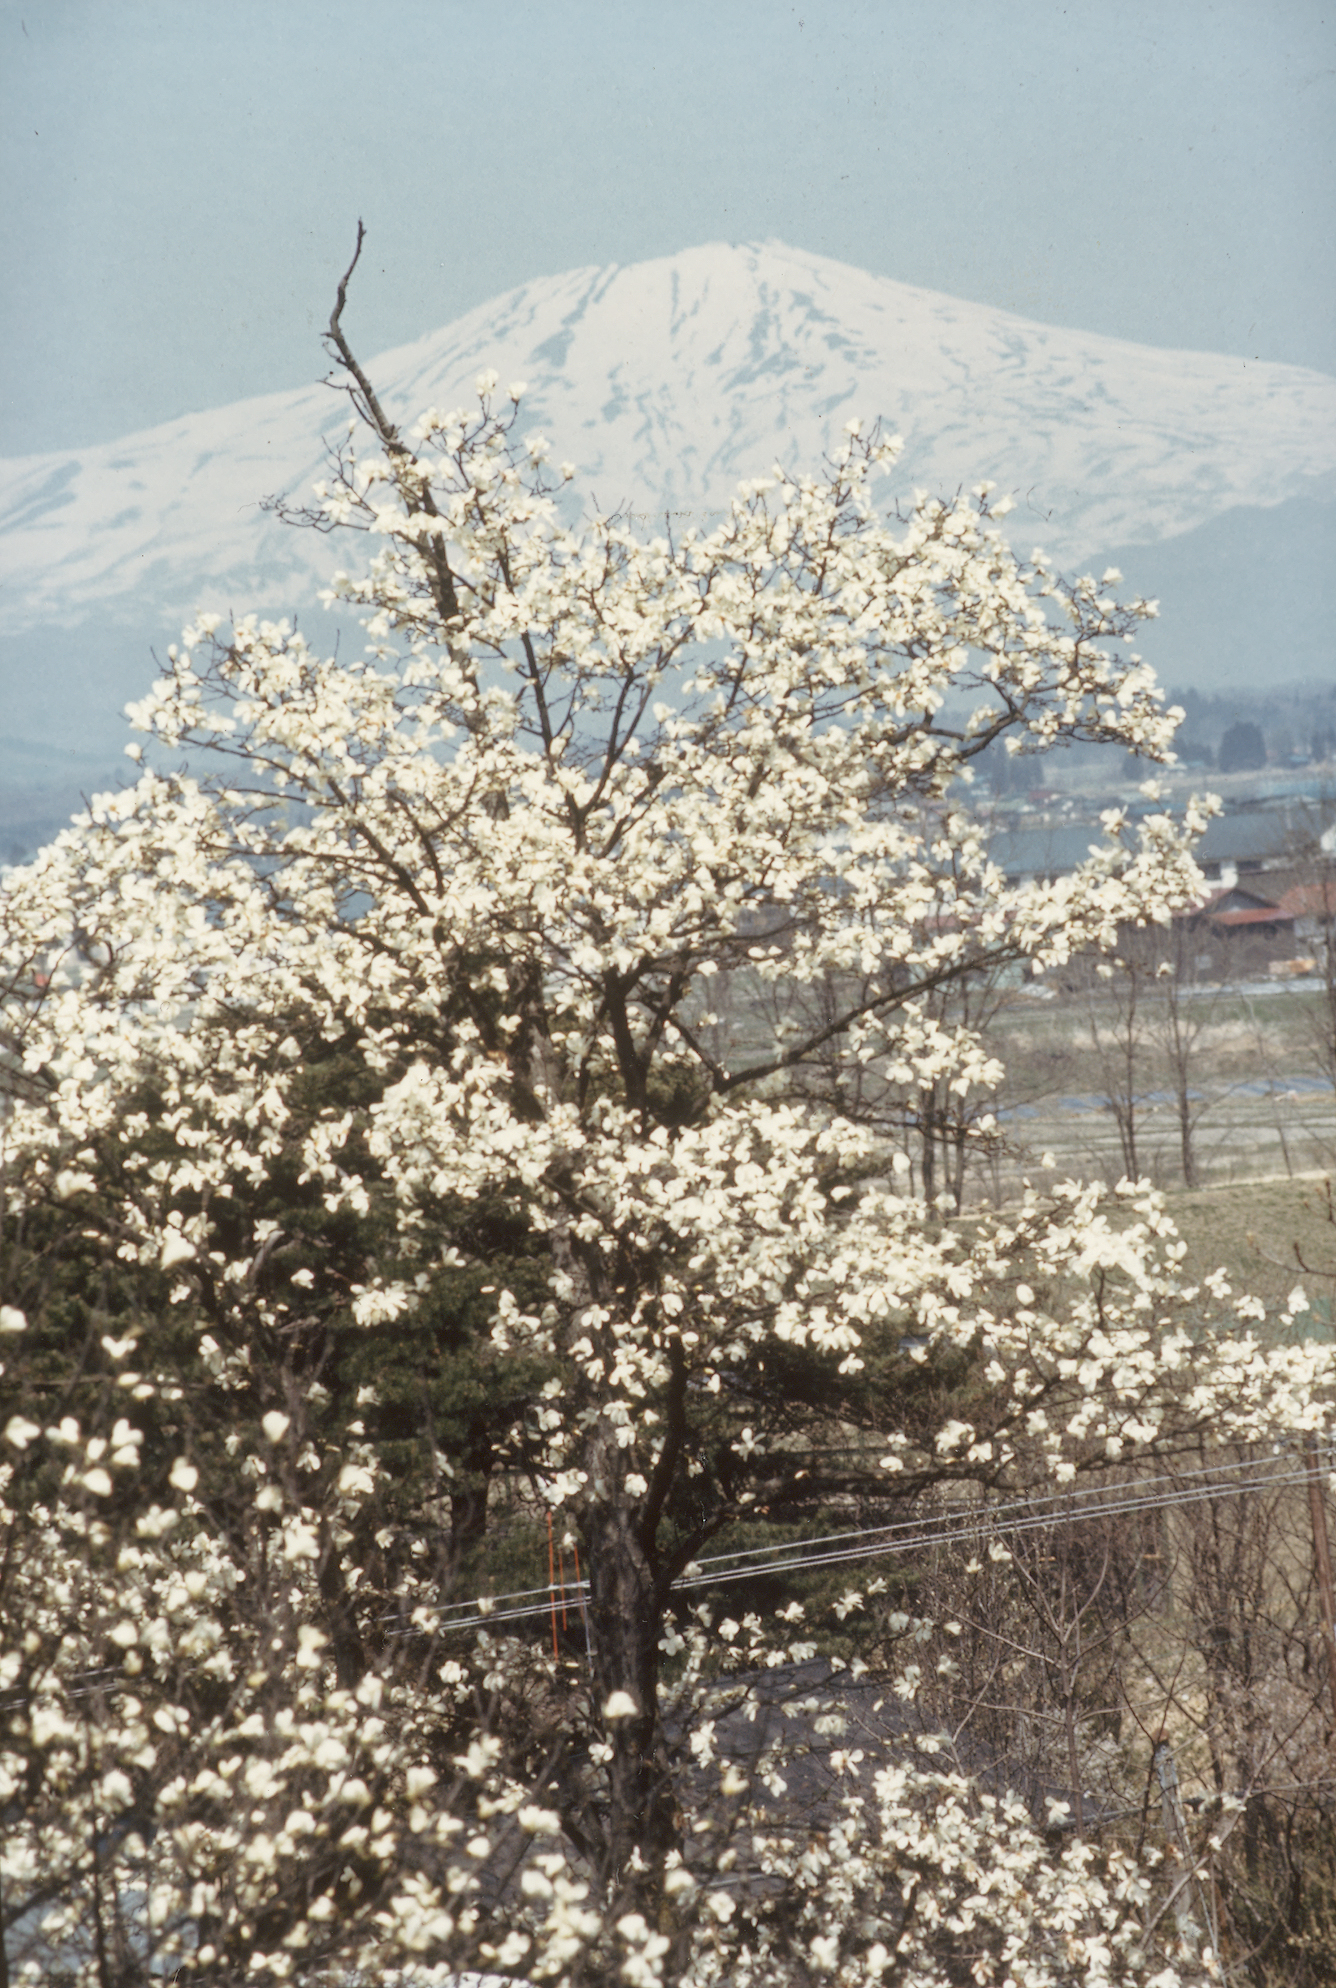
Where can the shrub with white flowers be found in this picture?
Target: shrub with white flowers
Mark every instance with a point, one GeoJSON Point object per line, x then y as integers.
{"type": "Point", "coordinates": [414, 1005]}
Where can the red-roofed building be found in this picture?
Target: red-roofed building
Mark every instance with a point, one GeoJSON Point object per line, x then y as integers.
{"type": "Point", "coordinates": [1236, 930]}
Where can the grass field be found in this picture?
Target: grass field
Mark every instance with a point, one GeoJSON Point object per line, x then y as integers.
{"type": "Point", "coordinates": [1268, 1236]}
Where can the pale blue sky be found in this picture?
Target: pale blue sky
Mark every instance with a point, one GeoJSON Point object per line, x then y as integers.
{"type": "Point", "coordinates": [182, 178]}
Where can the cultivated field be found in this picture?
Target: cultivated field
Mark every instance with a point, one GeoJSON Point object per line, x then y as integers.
{"type": "Point", "coordinates": [1083, 1080]}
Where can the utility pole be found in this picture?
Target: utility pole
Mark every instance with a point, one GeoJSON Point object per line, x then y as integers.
{"type": "Point", "coordinates": [1176, 1830]}
{"type": "Point", "coordinates": [1322, 1558]}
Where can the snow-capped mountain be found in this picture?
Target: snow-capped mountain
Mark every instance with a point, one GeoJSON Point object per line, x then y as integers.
{"type": "Point", "coordinates": [668, 381]}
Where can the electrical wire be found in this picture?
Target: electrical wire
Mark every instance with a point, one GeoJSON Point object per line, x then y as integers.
{"type": "Point", "coordinates": [953, 1532]}
{"type": "Point", "coordinates": [852, 1547]}
{"type": "Point", "coordinates": [903, 1536]}
{"type": "Point", "coordinates": [1026, 1505]}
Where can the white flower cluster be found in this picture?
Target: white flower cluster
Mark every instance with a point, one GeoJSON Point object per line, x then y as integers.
{"type": "Point", "coordinates": [440, 956]}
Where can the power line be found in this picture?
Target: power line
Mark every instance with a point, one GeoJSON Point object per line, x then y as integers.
{"type": "Point", "coordinates": [851, 1547]}
{"type": "Point", "coordinates": [898, 1537]}
{"type": "Point", "coordinates": [891, 1529]}
{"type": "Point", "coordinates": [1023, 1504]}
{"type": "Point", "coordinates": [958, 1530]}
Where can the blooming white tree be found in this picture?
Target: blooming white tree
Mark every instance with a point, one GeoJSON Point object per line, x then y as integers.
{"type": "Point", "coordinates": [415, 985]}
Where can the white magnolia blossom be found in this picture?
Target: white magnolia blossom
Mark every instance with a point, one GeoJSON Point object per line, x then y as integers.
{"type": "Point", "coordinates": [475, 927]}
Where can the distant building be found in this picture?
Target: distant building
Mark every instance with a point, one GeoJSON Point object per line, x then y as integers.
{"type": "Point", "coordinates": [1268, 903]}
{"type": "Point", "coordinates": [1251, 839]}
{"type": "Point", "coordinates": [1281, 914]}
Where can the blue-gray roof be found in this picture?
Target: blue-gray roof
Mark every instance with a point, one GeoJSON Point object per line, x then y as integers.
{"type": "Point", "coordinates": [1251, 835]}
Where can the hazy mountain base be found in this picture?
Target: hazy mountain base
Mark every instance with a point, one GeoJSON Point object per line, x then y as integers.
{"type": "Point", "coordinates": [1248, 603]}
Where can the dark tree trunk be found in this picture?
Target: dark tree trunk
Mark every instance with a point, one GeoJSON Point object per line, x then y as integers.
{"type": "Point", "coordinates": [928, 1134]}
{"type": "Point", "coordinates": [1187, 1158]}
{"type": "Point", "coordinates": [624, 1628]}
{"type": "Point", "coordinates": [468, 1516]}
{"type": "Point", "coordinates": [341, 1616]}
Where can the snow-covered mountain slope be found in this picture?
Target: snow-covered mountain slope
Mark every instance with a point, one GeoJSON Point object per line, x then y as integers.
{"type": "Point", "coordinates": [668, 381]}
